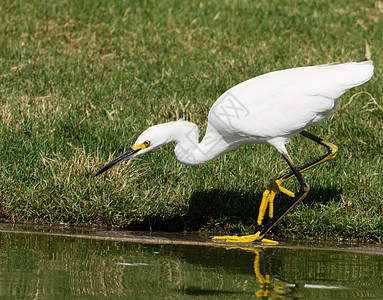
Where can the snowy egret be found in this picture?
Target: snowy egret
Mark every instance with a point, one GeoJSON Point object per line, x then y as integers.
{"type": "Point", "coordinates": [268, 109]}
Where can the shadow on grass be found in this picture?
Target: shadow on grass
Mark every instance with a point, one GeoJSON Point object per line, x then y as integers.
{"type": "Point", "coordinates": [229, 211]}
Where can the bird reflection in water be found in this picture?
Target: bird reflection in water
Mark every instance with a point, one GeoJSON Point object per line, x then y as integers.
{"type": "Point", "coordinates": [271, 286]}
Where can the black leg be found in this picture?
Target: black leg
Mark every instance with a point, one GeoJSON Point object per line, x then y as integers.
{"type": "Point", "coordinates": [276, 186]}
{"type": "Point", "coordinates": [331, 153]}
{"type": "Point", "coordinates": [303, 190]}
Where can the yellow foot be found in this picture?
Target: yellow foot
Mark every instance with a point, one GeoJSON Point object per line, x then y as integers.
{"type": "Point", "coordinates": [245, 239]}
{"type": "Point", "coordinates": [269, 242]}
{"type": "Point", "coordinates": [268, 199]}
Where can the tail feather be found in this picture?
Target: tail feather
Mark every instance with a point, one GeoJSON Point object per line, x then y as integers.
{"type": "Point", "coordinates": [356, 73]}
{"type": "Point", "coordinates": [335, 80]}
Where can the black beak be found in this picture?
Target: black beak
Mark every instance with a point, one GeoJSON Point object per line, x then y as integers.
{"type": "Point", "coordinates": [128, 154]}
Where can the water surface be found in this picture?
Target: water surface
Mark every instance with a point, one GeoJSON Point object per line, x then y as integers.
{"type": "Point", "coordinates": [39, 266]}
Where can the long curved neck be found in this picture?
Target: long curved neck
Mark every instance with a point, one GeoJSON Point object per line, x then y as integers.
{"type": "Point", "coordinates": [190, 152]}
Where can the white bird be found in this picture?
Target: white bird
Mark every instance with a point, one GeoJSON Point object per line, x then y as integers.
{"type": "Point", "coordinates": [268, 109]}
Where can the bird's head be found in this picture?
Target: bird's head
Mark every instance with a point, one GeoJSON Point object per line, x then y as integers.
{"type": "Point", "coordinates": [152, 138]}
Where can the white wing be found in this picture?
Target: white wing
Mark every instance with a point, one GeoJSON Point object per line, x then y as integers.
{"type": "Point", "coordinates": [283, 103]}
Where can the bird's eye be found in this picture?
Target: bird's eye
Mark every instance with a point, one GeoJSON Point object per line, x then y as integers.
{"type": "Point", "coordinates": [146, 144]}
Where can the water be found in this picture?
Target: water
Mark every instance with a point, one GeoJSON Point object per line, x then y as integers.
{"type": "Point", "coordinates": [36, 266]}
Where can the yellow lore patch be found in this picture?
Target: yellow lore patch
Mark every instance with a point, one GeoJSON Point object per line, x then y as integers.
{"type": "Point", "coordinates": [141, 146]}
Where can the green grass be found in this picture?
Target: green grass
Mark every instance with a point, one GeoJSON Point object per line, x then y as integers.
{"type": "Point", "coordinates": [81, 79]}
